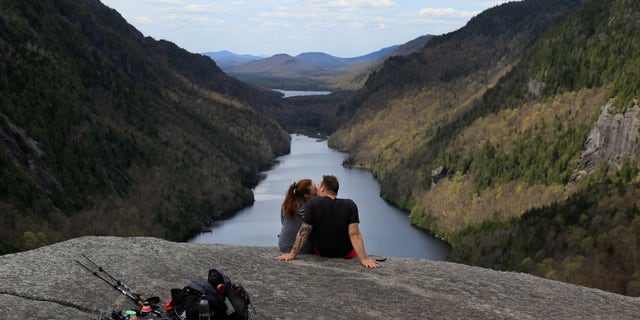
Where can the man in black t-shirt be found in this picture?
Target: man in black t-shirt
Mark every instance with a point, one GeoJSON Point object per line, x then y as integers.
{"type": "Point", "coordinates": [330, 219]}
{"type": "Point", "coordinates": [335, 226]}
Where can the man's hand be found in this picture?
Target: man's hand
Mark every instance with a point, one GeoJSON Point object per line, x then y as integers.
{"type": "Point", "coordinates": [358, 246]}
{"type": "Point", "coordinates": [369, 263]}
{"type": "Point", "coordinates": [286, 257]}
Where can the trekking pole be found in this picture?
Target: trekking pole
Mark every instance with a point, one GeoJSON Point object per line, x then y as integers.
{"type": "Point", "coordinates": [113, 281]}
{"type": "Point", "coordinates": [120, 283]}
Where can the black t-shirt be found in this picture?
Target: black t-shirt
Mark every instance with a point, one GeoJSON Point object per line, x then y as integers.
{"type": "Point", "coordinates": [330, 219]}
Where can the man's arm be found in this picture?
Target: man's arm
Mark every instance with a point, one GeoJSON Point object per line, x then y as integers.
{"type": "Point", "coordinates": [358, 246]}
{"type": "Point", "coordinates": [303, 234]}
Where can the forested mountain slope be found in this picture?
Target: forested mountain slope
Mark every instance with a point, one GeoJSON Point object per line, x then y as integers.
{"type": "Point", "coordinates": [516, 138]}
{"type": "Point", "coordinates": [104, 131]}
{"type": "Point", "coordinates": [399, 122]}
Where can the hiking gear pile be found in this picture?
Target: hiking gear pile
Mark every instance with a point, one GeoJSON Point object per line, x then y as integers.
{"type": "Point", "coordinates": [216, 297]}
{"type": "Point", "coordinates": [225, 299]}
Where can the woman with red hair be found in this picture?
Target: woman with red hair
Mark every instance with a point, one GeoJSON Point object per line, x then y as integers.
{"type": "Point", "coordinates": [291, 214]}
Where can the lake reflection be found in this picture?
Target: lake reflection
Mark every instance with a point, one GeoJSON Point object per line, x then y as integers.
{"type": "Point", "coordinates": [385, 229]}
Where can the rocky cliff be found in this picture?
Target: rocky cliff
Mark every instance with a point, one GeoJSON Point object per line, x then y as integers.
{"type": "Point", "coordinates": [614, 138]}
{"type": "Point", "coordinates": [47, 283]}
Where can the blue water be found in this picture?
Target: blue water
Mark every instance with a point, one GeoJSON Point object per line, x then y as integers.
{"type": "Point", "coordinates": [385, 229]}
{"type": "Point", "coordinates": [293, 93]}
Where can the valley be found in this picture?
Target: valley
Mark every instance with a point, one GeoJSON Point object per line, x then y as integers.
{"type": "Point", "coordinates": [514, 138]}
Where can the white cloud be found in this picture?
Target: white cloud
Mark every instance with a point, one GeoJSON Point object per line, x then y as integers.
{"type": "Point", "coordinates": [196, 8]}
{"type": "Point", "coordinates": [278, 25]}
{"type": "Point", "coordinates": [361, 3]}
{"type": "Point", "coordinates": [142, 20]}
{"type": "Point", "coordinates": [340, 27]}
{"type": "Point", "coordinates": [173, 2]}
{"type": "Point", "coordinates": [447, 12]}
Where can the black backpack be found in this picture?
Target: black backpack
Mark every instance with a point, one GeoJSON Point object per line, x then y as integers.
{"type": "Point", "coordinates": [226, 300]}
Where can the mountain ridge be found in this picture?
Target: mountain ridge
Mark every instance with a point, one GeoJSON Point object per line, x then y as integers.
{"type": "Point", "coordinates": [106, 131]}
{"type": "Point", "coordinates": [227, 59]}
{"type": "Point", "coordinates": [314, 70]}
{"type": "Point", "coordinates": [320, 58]}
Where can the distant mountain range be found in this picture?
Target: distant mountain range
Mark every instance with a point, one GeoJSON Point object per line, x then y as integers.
{"type": "Point", "coordinates": [310, 70]}
{"type": "Point", "coordinates": [228, 60]}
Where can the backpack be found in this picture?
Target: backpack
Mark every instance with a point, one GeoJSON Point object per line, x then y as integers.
{"type": "Point", "coordinates": [226, 300]}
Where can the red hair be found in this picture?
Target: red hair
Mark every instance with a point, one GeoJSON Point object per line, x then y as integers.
{"type": "Point", "coordinates": [296, 196]}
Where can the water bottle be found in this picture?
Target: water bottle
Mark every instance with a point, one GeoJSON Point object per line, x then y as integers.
{"type": "Point", "coordinates": [230, 308]}
{"type": "Point", "coordinates": [203, 309]}
{"type": "Point", "coordinates": [130, 315]}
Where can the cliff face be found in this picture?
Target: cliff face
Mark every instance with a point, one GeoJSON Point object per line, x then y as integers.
{"type": "Point", "coordinates": [47, 283]}
{"type": "Point", "coordinates": [614, 138]}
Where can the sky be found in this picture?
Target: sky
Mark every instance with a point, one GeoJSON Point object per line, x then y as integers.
{"type": "Point", "coordinates": [342, 28]}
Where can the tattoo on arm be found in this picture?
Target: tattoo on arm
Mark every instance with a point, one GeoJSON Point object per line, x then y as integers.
{"type": "Point", "coordinates": [303, 235]}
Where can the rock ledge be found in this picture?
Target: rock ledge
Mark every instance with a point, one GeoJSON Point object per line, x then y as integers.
{"type": "Point", "coordinates": [47, 283]}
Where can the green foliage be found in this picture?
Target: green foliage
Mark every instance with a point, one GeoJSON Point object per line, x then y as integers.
{"type": "Point", "coordinates": [6, 248]}
{"type": "Point", "coordinates": [449, 72]}
{"type": "Point", "coordinates": [596, 47]}
{"type": "Point", "coordinates": [16, 188]}
{"type": "Point", "coordinates": [505, 61]}
{"type": "Point", "coordinates": [32, 241]}
{"type": "Point", "coordinates": [312, 115]}
{"type": "Point", "coordinates": [534, 157]}
{"type": "Point", "coordinates": [590, 239]}
{"type": "Point", "coordinates": [97, 122]}
{"type": "Point", "coordinates": [593, 48]}
{"type": "Point", "coordinates": [191, 213]}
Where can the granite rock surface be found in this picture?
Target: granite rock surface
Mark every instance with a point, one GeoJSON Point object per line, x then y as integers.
{"type": "Point", "coordinates": [48, 283]}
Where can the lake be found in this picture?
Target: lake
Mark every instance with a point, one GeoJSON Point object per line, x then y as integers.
{"type": "Point", "coordinates": [386, 229]}
{"type": "Point", "coordinates": [294, 93]}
